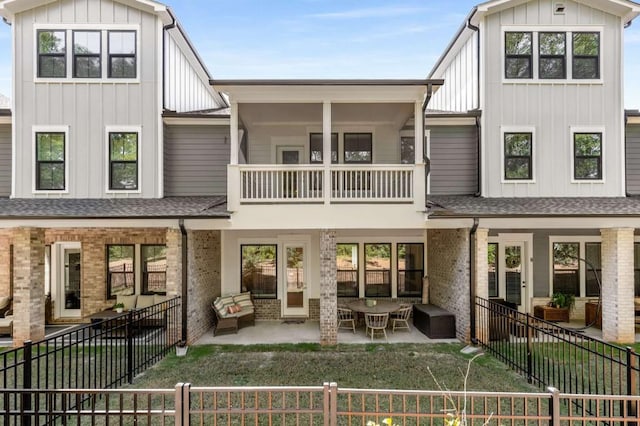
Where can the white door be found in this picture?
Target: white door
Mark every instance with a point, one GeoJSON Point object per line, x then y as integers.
{"type": "Point", "coordinates": [68, 275]}
{"type": "Point", "coordinates": [513, 273]}
{"type": "Point", "coordinates": [295, 297]}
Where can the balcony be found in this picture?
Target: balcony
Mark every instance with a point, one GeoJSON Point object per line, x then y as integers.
{"type": "Point", "coordinates": [306, 184]}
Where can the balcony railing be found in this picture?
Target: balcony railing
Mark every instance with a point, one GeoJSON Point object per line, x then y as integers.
{"type": "Point", "coordinates": [305, 183]}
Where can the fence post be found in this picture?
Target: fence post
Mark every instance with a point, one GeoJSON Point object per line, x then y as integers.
{"type": "Point", "coordinates": [129, 335]}
{"type": "Point", "coordinates": [632, 382]}
{"type": "Point", "coordinates": [333, 405]}
{"type": "Point", "coordinates": [554, 406]}
{"type": "Point", "coordinates": [529, 331]}
{"type": "Point", "coordinates": [27, 381]}
{"type": "Point", "coordinates": [182, 404]}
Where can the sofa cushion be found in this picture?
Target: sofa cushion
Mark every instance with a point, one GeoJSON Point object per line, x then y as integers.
{"type": "Point", "coordinates": [144, 301]}
{"type": "Point", "coordinates": [129, 302]}
{"type": "Point", "coordinates": [4, 301]}
{"type": "Point", "coordinates": [221, 304]}
{"type": "Point", "coordinates": [243, 299]}
{"type": "Point", "coordinates": [159, 298]}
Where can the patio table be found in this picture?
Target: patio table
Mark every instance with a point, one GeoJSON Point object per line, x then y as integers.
{"type": "Point", "coordinates": [381, 307]}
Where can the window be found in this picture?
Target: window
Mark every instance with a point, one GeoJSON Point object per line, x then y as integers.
{"type": "Point", "coordinates": [517, 156]}
{"type": "Point", "coordinates": [358, 148]}
{"type": "Point", "coordinates": [587, 151]}
{"type": "Point", "coordinates": [552, 61]}
{"type": "Point", "coordinates": [492, 260]}
{"type": "Point", "coordinates": [154, 269]}
{"type": "Point", "coordinates": [636, 268]}
{"type": "Point", "coordinates": [407, 150]}
{"type": "Point", "coordinates": [259, 272]}
{"type": "Point", "coordinates": [586, 55]}
{"type": "Point", "coordinates": [566, 268]}
{"type": "Point", "coordinates": [518, 54]}
{"type": "Point", "coordinates": [316, 148]}
{"type": "Point", "coordinates": [593, 258]}
{"type": "Point", "coordinates": [120, 270]}
{"type": "Point", "coordinates": [86, 54]}
{"type": "Point", "coordinates": [122, 62]}
{"type": "Point", "coordinates": [52, 54]}
{"type": "Point", "coordinates": [123, 161]}
{"type": "Point", "coordinates": [347, 269]}
{"type": "Point", "coordinates": [410, 269]}
{"type": "Point", "coordinates": [377, 273]}
{"type": "Point", "coordinates": [50, 161]}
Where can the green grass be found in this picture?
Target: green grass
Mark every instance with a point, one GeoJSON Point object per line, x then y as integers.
{"type": "Point", "coordinates": [397, 366]}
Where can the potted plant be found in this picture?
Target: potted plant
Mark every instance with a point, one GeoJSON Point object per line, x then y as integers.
{"type": "Point", "coordinates": [118, 307]}
{"type": "Point", "coordinates": [563, 300]}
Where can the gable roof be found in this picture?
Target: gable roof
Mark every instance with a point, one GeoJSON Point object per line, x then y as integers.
{"type": "Point", "coordinates": [626, 9]}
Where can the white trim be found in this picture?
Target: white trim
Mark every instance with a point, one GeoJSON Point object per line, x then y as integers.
{"type": "Point", "coordinates": [67, 162]}
{"type": "Point", "coordinates": [303, 241]}
{"type": "Point", "coordinates": [587, 129]}
{"type": "Point", "coordinates": [581, 240]}
{"type": "Point", "coordinates": [427, 137]}
{"type": "Point", "coordinates": [104, 53]}
{"type": "Point", "coordinates": [59, 249]}
{"type": "Point", "coordinates": [199, 121]}
{"type": "Point", "coordinates": [14, 83]}
{"type": "Point", "coordinates": [123, 129]}
{"type": "Point", "coordinates": [159, 99]}
{"type": "Point", "coordinates": [568, 31]}
{"type": "Point", "coordinates": [518, 129]}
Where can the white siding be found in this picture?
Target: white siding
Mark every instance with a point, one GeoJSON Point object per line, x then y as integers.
{"type": "Point", "coordinates": [87, 108]}
{"type": "Point", "coordinates": [460, 90]}
{"type": "Point", "coordinates": [186, 89]}
{"type": "Point", "coordinates": [553, 108]}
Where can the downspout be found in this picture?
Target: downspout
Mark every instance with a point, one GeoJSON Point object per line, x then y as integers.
{"type": "Point", "coordinates": [166, 28]}
{"type": "Point", "coordinates": [624, 132]}
{"type": "Point", "coordinates": [478, 125]}
{"type": "Point", "coordinates": [479, 154]}
{"type": "Point", "coordinates": [426, 159]}
{"type": "Point", "coordinates": [185, 264]}
{"type": "Point", "coordinates": [472, 279]}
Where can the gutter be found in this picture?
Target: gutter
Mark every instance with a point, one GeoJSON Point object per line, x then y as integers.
{"type": "Point", "coordinates": [427, 160]}
{"type": "Point", "coordinates": [165, 30]}
{"type": "Point", "coordinates": [184, 295]}
{"type": "Point", "coordinates": [624, 132]}
{"type": "Point", "coordinates": [478, 121]}
{"type": "Point", "coordinates": [472, 279]}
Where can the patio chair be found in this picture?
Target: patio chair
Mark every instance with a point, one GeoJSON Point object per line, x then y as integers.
{"type": "Point", "coordinates": [401, 319]}
{"type": "Point", "coordinates": [376, 322]}
{"type": "Point", "coordinates": [346, 319]}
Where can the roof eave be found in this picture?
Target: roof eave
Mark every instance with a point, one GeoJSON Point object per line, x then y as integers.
{"type": "Point", "coordinates": [324, 82]}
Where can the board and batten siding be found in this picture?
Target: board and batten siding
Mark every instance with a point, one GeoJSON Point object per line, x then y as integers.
{"type": "Point", "coordinates": [195, 160]}
{"type": "Point", "coordinates": [633, 159]}
{"type": "Point", "coordinates": [460, 90]}
{"type": "Point", "coordinates": [186, 89]}
{"type": "Point", "coordinates": [88, 108]}
{"type": "Point", "coordinates": [5, 160]}
{"type": "Point", "coordinates": [453, 152]}
{"type": "Point", "coordinates": [552, 108]}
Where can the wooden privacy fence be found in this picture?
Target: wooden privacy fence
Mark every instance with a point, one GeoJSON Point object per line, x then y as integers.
{"type": "Point", "coordinates": [326, 405]}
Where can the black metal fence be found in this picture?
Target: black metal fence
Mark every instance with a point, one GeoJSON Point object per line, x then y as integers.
{"type": "Point", "coordinates": [550, 355]}
{"type": "Point", "coordinates": [104, 354]}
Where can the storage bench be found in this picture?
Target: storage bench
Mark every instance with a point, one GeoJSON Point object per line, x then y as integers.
{"type": "Point", "coordinates": [434, 322]}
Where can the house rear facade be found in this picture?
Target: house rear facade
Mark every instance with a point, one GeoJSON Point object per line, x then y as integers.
{"type": "Point", "coordinates": [126, 168]}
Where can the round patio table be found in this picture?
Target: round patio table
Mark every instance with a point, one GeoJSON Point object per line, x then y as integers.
{"type": "Point", "coordinates": [381, 307]}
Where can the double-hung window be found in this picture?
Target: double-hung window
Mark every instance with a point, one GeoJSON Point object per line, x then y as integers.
{"type": "Point", "coordinates": [87, 47]}
{"type": "Point", "coordinates": [358, 148]}
{"type": "Point", "coordinates": [123, 161]}
{"type": "Point", "coordinates": [566, 268]}
{"type": "Point", "coordinates": [518, 154]}
{"type": "Point", "coordinates": [576, 265]}
{"type": "Point", "coordinates": [518, 54]}
{"type": "Point", "coordinates": [154, 269]}
{"type": "Point", "coordinates": [52, 53]}
{"type": "Point", "coordinates": [259, 271]}
{"type": "Point", "coordinates": [120, 270]}
{"type": "Point", "coordinates": [50, 161]}
{"type": "Point", "coordinates": [587, 156]}
{"type": "Point", "coordinates": [316, 148]}
{"type": "Point", "coordinates": [377, 272]}
{"type": "Point", "coordinates": [551, 55]}
{"type": "Point", "coordinates": [410, 269]}
{"type": "Point", "coordinates": [586, 55]}
{"type": "Point", "coordinates": [347, 269]}
{"type": "Point", "coordinates": [122, 56]}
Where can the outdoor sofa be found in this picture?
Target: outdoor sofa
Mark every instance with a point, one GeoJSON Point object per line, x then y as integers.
{"type": "Point", "coordinates": [233, 312]}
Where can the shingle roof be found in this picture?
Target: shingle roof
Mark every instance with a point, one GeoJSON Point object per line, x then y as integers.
{"type": "Point", "coordinates": [60, 208]}
{"type": "Point", "coordinates": [470, 206]}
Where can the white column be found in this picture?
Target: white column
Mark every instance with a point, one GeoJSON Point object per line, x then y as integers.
{"type": "Point", "coordinates": [235, 143]}
{"type": "Point", "coordinates": [326, 150]}
{"type": "Point", "coordinates": [419, 173]}
{"type": "Point", "coordinates": [419, 132]}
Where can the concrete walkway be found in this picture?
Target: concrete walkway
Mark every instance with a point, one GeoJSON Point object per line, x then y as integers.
{"type": "Point", "coordinates": [266, 332]}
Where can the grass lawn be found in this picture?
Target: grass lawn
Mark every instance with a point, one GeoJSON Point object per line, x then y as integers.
{"type": "Point", "coordinates": [397, 366]}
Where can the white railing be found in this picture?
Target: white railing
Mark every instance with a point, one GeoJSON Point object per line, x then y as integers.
{"type": "Point", "coordinates": [278, 184]}
{"type": "Point", "coordinates": [305, 183]}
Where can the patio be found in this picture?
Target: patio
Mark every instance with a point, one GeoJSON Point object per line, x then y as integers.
{"type": "Point", "coordinates": [268, 332]}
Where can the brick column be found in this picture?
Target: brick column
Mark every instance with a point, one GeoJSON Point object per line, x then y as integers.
{"type": "Point", "coordinates": [5, 265]}
{"type": "Point", "coordinates": [328, 289]}
{"type": "Point", "coordinates": [481, 280]}
{"type": "Point", "coordinates": [28, 285]}
{"type": "Point", "coordinates": [618, 321]}
{"type": "Point", "coordinates": [174, 274]}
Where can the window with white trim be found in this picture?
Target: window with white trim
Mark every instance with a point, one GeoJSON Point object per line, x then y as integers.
{"type": "Point", "coordinates": [123, 161]}
{"type": "Point", "coordinates": [87, 48]}
{"type": "Point", "coordinates": [122, 55]}
{"type": "Point", "coordinates": [552, 55]}
{"type": "Point", "coordinates": [50, 159]}
{"type": "Point", "coordinates": [52, 53]}
{"type": "Point", "coordinates": [518, 54]}
{"type": "Point", "coordinates": [518, 156]}
{"type": "Point", "coordinates": [575, 261]}
{"type": "Point", "coordinates": [586, 55]}
{"type": "Point", "coordinates": [587, 155]}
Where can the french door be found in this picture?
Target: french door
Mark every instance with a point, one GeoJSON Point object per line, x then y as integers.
{"type": "Point", "coordinates": [295, 300]}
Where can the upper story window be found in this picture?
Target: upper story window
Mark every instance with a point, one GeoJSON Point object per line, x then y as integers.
{"type": "Point", "coordinates": [122, 54]}
{"type": "Point", "coordinates": [316, 148]}
{"type": "Point", "coordinates": [518, 156]}
{"type": "Point", "coordinates": [358, 148]}
{"type": "Point", "coordinates": [518, 54]}
{"type": "Point", "coordinates": [552, 59]}
{"type": "Point", "coordinates": [86, 54]}
{"type": "Point", "coordinates": [52, 54]}
{"type": "Point", "coordinates": [123, 161]}
{"type": "Point", "coordinates": [586, 55]}
{"type": "Point", "coordinates": [587, 151]}
{"type": "Point", "coordinates": [50, 161]}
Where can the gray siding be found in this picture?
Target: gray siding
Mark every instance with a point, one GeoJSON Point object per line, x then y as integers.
{"type": "Point", "coordinates": [195, 160]}
{"type": "Point", "coordinates": [633, 159]}
{"type": "Point", "coordinates": [5, 160]}
{"type": "Point", "coordinates": [454, 160]}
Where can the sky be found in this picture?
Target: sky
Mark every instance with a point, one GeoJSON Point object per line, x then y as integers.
{"type": "Point", "coordinates": [327, 39]}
